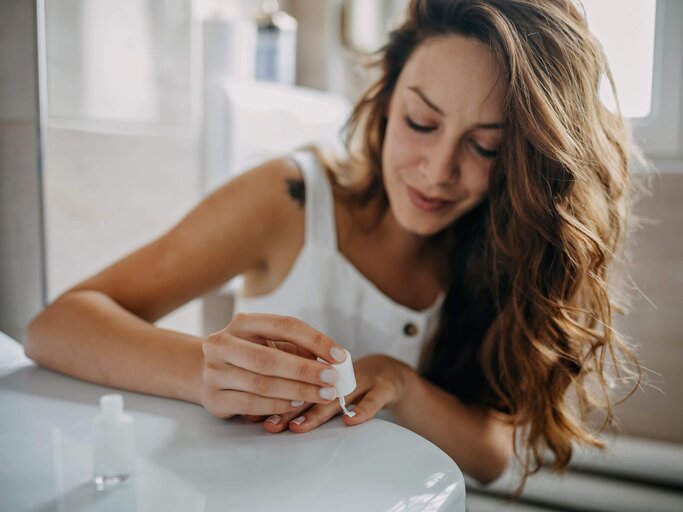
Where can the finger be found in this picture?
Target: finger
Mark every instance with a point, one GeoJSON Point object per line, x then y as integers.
{"type": "Point", "coordinates": [264, 360]}
{"type": "Point", "coordinates": [277, 423]}
{"type": "Point", "coordinates": [368, 407]}
{"type": "Point", "coordinates": [227, 403]}
{"type": "Point", "coordinates": [291, 348]}
{"type": "Point", "coordinates": [314, 417]}
{"type": "Point", "coordinates": [231, 377]}
{"type": "Point", "coordinates": [287, 328]}
{"type": "Point", "coordinates": [254, 419]}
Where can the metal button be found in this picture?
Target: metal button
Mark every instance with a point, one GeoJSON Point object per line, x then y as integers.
{"type": "Point", "coordinates": [410, 329]}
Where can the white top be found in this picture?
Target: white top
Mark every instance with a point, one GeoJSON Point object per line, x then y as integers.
{"type": "Point", "coordinates": [326, 291]}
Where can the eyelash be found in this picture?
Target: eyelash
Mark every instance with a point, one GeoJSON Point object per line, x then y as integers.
{"type": "Point", "coordinates": [418, 127]}
{"type": "Point", "coordinates": [486, 153]}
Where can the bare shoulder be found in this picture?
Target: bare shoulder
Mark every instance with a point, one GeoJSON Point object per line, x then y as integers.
{"type": "Point", "coordinates": [275, 194]}
{"type": "Point", "coordinates": [290, 239]}
{"type": "Point", "coordinates": [266, 195]}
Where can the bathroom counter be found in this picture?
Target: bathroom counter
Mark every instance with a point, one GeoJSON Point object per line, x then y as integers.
{"type": "Point", "coordinates": [188, 460]}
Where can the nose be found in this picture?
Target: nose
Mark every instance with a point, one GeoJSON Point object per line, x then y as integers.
{"type": "Point", "coordinates": [440, 165]}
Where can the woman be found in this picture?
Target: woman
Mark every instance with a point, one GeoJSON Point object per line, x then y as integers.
{"type": "Point", "coordinates": [460, 252]}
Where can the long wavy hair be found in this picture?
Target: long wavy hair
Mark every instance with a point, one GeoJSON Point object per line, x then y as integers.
{"type": "Point", "coordinates": [527, 322]}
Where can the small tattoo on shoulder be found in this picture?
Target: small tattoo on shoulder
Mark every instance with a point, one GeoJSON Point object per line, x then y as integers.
{"type": "Point", "coordinates": [297, 191]}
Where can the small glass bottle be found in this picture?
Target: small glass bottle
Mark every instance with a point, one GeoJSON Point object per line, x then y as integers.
{"type": "Point", "coordinates": [113, 443]}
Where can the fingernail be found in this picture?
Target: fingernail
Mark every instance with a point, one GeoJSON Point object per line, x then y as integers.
{"type": "Point", "coordinates": [275, 419]}
{"type": "Point", "coordinates": [299, 420]}
{"type": "Point", "coordinates": [338, 354]}
{"type": "Point", "coordinates": [329, 375]}
{"type": "Point", "coordinates": [297, 403]}
{"type": "Point", "coordinates": [328, 393]}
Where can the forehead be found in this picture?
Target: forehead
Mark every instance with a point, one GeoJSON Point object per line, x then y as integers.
{"type": "Point", "coordinates": [456, 71]}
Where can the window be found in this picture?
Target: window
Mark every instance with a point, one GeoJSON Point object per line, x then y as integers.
{"type": "Point", "coordinates": [644, 46]}
{"type": "Point", "coordinates": [626, 31]}
{"type": "Point", "coordinates": [119, 150]}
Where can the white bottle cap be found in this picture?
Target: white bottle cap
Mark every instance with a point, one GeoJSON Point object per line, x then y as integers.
{"type": "Point", "coordinates": [347, 378]}
{"type": "Point", "coordinates": [111, 405]}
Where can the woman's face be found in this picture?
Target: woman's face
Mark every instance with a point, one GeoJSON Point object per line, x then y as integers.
{"type": "Point", "coordinates": [443, 132]}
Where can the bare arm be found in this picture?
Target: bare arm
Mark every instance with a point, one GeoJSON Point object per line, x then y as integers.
{"type": "Point", "coordinates": [86, 334]}
{"type": "Point", "coordinates": [102, 329]}
{"type": "Point", "coordinates": [478, 440]}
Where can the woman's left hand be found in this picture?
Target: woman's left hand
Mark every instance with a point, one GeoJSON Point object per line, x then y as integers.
{"type": "Point", "coordinates": [381, 382]}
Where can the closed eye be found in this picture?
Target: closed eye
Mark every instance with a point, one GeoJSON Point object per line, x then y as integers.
{"type": "Point", "coordinates": [418, 127]}
{"type": "Point", "coordinates": [486, 153]}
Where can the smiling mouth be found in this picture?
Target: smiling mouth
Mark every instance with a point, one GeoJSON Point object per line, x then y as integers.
{"type": "Point", "coordinates": [430, 204]}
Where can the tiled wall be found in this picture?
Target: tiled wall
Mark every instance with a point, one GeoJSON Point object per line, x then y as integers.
{"type": "Point", "coordinates": [657, 409]}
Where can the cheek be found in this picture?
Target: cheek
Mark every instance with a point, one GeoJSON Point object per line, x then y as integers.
{"type": "Point", "coordinates": [399, 141]}
{"type": "Point", "coordinates": [481, 183]}
{"type": "Point", "coordinates": [393, 153]}
{"type": "Point", "coordinates": [476, 178]}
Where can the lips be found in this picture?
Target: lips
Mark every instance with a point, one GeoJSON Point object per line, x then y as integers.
{"type": "Point", "coordinates": [426, 203]}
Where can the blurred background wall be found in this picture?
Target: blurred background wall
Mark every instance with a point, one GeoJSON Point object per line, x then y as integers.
{"type": "Point", "coordinates": [22, 266]}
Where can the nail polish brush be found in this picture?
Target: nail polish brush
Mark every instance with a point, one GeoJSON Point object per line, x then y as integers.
{"type": "Point", "coordinates": [346, 382]}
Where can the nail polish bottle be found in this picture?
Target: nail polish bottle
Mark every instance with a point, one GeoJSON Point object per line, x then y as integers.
{"type": "Point", "coordinates": [113, 443]}
{"type": "Point", "coordinates": [346, 383]}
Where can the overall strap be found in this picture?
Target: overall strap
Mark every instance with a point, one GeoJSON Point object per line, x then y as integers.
{"type": "Point", "coordinates": [320, 222]}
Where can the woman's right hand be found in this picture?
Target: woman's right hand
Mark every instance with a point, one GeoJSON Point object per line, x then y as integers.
{"type": "Point", "coordinates": [241, 374]}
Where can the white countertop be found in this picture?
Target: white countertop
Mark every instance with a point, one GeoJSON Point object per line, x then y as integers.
{"type": "Point", "coordinates": [187, 460]}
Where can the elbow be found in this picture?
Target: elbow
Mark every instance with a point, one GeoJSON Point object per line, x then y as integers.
{"type": "Point", "coordinates": [42, 329]}
{"type": "Point", "coordinates": [493, 469]}
{"type": "Point", "coordinates": [497, 458]}
{"type": "Point", "coordinates": [499, 433]}
{"type": "Point", "coordinates": [40, 332]}
{"type": "Point", "coordinates": [32, 338]}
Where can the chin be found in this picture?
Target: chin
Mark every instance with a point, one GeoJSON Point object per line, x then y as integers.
{"type": "Point", "coordinates": [426, 224]}
{"type": "Point", "coordinates": [420, 227]}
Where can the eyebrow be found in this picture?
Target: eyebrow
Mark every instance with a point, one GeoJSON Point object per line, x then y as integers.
{"type": "Point", "coordinates": [424, 98]}
{"type": "Point", "coordinates": [428, 102]}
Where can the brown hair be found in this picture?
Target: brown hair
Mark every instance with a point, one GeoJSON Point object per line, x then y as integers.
{"type": "Point", "coordinates": [527, 317]}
